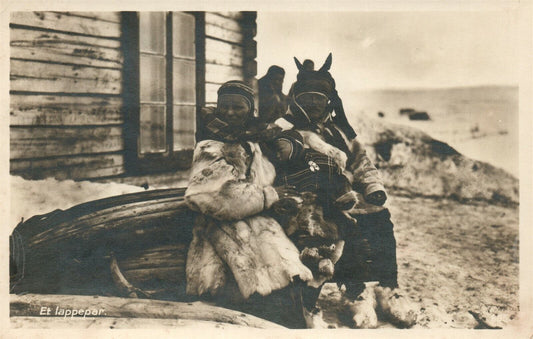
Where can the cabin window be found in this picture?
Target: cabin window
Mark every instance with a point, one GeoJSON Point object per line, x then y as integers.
{"type": "Point", "coordinates": [152, 73]}
{"type": "Point", "coordinates": [164, 122]}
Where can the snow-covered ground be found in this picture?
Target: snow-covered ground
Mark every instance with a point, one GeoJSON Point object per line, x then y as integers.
{"type": "Point", "coordinates": [498, 148]}
{"type": "Point", "coordinates": [479, 122]}
{"type": "Point", "coordinates": [34, 197]}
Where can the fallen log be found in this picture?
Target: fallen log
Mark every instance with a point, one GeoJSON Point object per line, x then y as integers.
{"type": "Point", "coordinates": [35, 305]}
{"type": "Point", "coordinates": [118, 323]}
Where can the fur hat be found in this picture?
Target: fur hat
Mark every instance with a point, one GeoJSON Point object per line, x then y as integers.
{"type": "Point", "coordinates": [321, 81]}
{"type": "Point", "coordinates": [309, 80]}
{"type": "Point", "coordinates": [240, 88]}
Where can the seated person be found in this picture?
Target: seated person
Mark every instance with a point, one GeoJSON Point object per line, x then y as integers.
{"type": "Point", "coordinates": [239, 254]}
{"type": "Point", "coordinates": [317, 108]}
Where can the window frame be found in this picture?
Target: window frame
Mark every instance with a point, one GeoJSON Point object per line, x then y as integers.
{"type": "Point", "coordinates": [170, 160]}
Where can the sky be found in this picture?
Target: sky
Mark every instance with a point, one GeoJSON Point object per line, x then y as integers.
{"type": "Point", "coordinates": [395, 49]}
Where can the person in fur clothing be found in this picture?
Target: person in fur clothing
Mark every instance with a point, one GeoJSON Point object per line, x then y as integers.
{"type": "Point", "coordinates": [316, 110]}
{"type": "Point", "coordinates": [238, 252]}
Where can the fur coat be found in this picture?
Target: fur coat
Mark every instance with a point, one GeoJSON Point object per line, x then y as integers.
{"type": "Point", "coordinates": [233, 241]}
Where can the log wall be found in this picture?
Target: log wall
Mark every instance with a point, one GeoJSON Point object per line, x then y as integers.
{"type": "Point", "coordinates": [230, 50]}
{"type": "Point", "coordinates": [66, 117]}
{"type": "Point", "coordinates": [66, 87]}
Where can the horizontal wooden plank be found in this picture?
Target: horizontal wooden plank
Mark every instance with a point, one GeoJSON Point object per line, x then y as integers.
{"type": "Point", "coordinates": [56, 110]}
{"type": "Point", "coordinates": [161, 256]}
{"type": "Point", "coordinates": [223, 22]}
{"type": "Point", "coordinates": [61, 21]}
{"type": "Point", "coordinates": [222, 33]}
{"type": "Point", "coordinates": [222, 53]}
{"type": "Point", "coordinates": [104, 16]}
{"type": "Point", "coordinates": [62, 168]}
{"type": "Point", "coordinates": [163, 260]}
{"type": "Point", "coordinates": [144, 221]}
{"type": "Point", "coordinates": [211, 93]}
{"type": "Point", "coordinates": [221, 73]}
{"type": "Point", "coordinates": [33, 142]}
{"type": "Point", "coordinates": [41, 37]}
{"type": "Point", "coordinates": [46, 77]}
{"type": "Point", "coordinates": [231, 15]}
{"type": "Point", "coordinates": [174, 274]}
{"type": "Point", "coordinates": [135, 227]}
{"type": "Point", "coordinates": [63, 48]}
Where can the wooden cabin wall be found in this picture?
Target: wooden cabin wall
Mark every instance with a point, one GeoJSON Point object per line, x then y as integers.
{"type": "Point", "coordinates": [66, 106]}
{"type": "Point", "coordinates": [230, 50]}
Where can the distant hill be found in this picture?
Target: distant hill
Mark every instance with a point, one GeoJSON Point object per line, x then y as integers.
{"type": "Point", "coordinates": [414, 163]}
{"type": "Point", "coordinates": [480, 122]}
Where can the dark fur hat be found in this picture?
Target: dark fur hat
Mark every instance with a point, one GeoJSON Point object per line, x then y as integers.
{"type": "Point", "coordinates": [309, 80]}
{"type": "Point", "coordinates": [321, 81]}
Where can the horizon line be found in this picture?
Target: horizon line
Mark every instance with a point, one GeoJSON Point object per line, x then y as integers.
{"type": "Point", "coordinates": [400, 88]}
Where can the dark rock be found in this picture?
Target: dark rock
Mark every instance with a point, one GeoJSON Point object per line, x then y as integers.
{"type": "Point", "coordinates": [419, 116]}
{"type": "Point", "coordinates": [406, 111]}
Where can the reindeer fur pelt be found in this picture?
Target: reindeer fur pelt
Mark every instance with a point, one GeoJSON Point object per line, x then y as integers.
{"type": "Point", "coordinates": [255, 250]}
{"type": "Point", "coordinates": [230, 188]}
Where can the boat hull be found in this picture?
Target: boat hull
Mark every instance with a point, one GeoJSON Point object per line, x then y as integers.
{"type": "Point", "coordinates": [70, 251]}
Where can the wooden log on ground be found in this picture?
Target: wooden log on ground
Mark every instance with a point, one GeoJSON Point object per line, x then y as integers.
{"type": "Point", "coordinates": [30, 305]}
{"type": "Point", "coordinates": [118, 323]}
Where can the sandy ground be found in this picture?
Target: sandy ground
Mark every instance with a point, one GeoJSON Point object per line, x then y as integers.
{"type": "Point", "coordinates": [452, 258]}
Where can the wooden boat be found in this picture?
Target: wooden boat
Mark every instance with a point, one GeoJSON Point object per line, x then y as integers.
{"type": "Point", "coordinates": [133, 245]}
{"type": "Point", "coordinates": [106, 247]}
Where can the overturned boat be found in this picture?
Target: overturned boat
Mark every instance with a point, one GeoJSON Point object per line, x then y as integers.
{"type": "Point", "coordinates": [105, 247]}
{"type": "Point", "coordinates": [128, 246]}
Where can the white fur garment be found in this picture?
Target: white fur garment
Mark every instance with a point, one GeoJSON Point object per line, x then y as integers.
{"type": "Point", "coordinates": [230, 189]}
